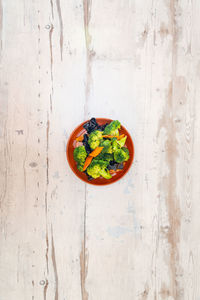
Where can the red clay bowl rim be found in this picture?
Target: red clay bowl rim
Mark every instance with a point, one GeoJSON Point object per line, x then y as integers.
{"type": "Point", "coordinates": [106, 183]}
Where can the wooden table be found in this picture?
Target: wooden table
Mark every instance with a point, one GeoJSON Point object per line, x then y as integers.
{"type": "Point", "coordinates": [62, 62]}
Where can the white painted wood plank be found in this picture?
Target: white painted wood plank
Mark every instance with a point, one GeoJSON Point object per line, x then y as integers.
{"type": "Point", "coordinates": [62, 62]}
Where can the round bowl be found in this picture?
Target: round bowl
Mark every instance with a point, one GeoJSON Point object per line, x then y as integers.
{"type": "Point", "coordinates": [72, 143]}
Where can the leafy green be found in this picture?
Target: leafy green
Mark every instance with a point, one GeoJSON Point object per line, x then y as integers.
{"type": "Point", "coordinates": [122, 141]}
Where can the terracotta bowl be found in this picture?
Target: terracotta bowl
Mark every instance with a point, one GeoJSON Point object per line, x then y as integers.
{"type": "Point", "coordinates": [72, 143]}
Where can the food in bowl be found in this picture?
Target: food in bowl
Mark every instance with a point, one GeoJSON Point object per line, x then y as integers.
{"type": "Point", "coordinates": [102, 150]}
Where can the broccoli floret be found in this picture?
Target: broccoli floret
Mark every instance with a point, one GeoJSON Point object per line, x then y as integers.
{"type": "Point", "coordinates": [105, 156]}
{"type": "Point", "coordinates": [108, 156]}
{"type": "Point", "coordinates": [127, 152]}
{"type": "Point", "coordinates": [122, 141]}
{"type": "Point", "coordinates": [97, 168]}
{"type": "Point", "coordinates": [112, 128]}
{"type": "Point", "coordinates": [80, 155]}
{"type": "Point", "coordinates": [95, 139]}
{"type": "Point", "coordinates": [120, 155]}
{"type": "Point", "coordinates": [107, 146]}
{"type": "Point", "coordinates": [94, 169]}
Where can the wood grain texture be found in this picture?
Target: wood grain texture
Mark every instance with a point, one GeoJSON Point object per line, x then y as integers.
{"type": "Point", "coordinates": [62, 62]}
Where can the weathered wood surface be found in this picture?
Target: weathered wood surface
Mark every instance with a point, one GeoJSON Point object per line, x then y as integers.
{"type": "Point", "coordinates": [62, 62]}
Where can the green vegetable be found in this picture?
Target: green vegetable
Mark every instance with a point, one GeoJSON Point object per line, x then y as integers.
{"type": "Point", "coordinates": [95, 139]}
{"type": "Point", "coordinates": [105, 156]}
{"type": "Point", "coordinates": [127, 152]}
{"type": "Point", "coordinates": [106, 174]}
{"type": "Point", "coordinates": [122, 141]}
{"type": "Point", "coordinates": [108, 149]}
{"type": "Point", "coordinates": [121, 155]}
{"type": "Point", "coordinates": [112, 128]}
{"type": "Point", "coordinates": [80, 167]}
{"type": "Point", "coordinates": [115, 144]}
{"type": "Point", "coordinates": [97, 168]}
{"type": "Point", "coordinates": [107, 146]}
{"type": "Point", "coordinates": [80, 154]}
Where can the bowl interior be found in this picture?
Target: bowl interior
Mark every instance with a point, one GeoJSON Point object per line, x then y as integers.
{"type": "Point", "coordinates": [72, 143]}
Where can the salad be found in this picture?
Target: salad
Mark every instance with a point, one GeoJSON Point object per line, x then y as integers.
{"type": "Point", "coordinates": [101, 151]}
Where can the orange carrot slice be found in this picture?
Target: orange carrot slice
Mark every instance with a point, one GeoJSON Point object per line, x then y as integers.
{"type": "Point", "coordinates": [113, 171]}
{"type": "Point", "coordinates": [87, 162]}
{"type": "Point", "coordinates": [107, 136]}
{"type": "Point", "coordinates": [120, 136]}
{"type": "Point", "coordinates": [80, 138]}
{"type": "Point", "coordinates": [96, 152]}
